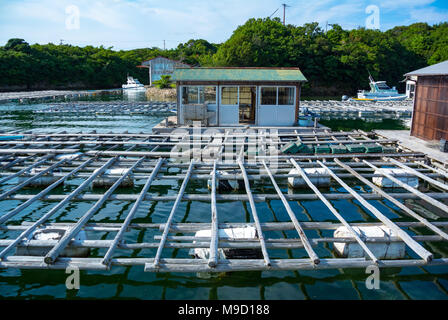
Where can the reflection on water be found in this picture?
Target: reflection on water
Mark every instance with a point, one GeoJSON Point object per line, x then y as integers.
{"type": "Point", "coordinates": [132, 282]}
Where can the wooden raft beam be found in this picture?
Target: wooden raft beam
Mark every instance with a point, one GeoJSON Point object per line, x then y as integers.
{"type": "Point", "coordinates": [51, 256]}
{"type": "Point", "coordinates": [334, 211]}
{"type": "Point", "coordinates": [422, 252]}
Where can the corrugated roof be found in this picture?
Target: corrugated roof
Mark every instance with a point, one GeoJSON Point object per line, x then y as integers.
{"type": "Point", "coordinates": [238, 74]}
{"type": "Point", "coordinates": [146, 62]}
{"type": "Point", "coordinates": [436, 69]}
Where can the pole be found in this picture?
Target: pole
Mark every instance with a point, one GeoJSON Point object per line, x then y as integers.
{"type": "Point", "coordinates": [284, 13]}
{"type": "Point", "coordinates": [150, 74]}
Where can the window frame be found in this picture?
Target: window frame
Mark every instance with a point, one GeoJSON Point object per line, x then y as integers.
{"type": "Point", "coordinates": [261, 95]}
{"type": "Point", "coordinates": [294, 96]}
{"type": "Point", "coordinates": [216, 94]}
{"type": "Point", "coordinates": [237, 96]}
{"type": "Point", "coordinates": [198, 94]}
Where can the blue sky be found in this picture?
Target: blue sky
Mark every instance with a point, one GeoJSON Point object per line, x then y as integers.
{"type": "Point", "coordinates": [127, 24]}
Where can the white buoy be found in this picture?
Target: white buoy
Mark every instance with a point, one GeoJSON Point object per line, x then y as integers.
{"type": "Point", "coordinates": [69, 156]}
{"type": "Point", "coordinates": [42, 181]}
{"type": "Point", "coordinates": [249, 233]}
{"type": "Point", "coordinates": [109, 177]}
{"type": "Point", "coordinates": [383, 249]}
{"type": "Point", "coordinates": [316, 176]}
{"type": "Point", "coordinates": [223, 184]}
{"type": "Point", "coordinates": [387, 183]}
{"type": "Point", "coordinates": [53, 233]}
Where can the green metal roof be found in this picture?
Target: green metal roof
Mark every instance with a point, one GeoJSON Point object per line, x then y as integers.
{"type": "Point", "coordinates": [238, 74]}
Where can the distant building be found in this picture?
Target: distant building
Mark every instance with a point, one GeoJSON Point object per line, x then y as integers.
{"type": "Point", "coordinates": [161, 66]}
{"type": "Point", "coordinates": [238, 96]}
{"type": "Point", "coordinates": [410, 87]}
{"type": "Point", "coordinates": [430, 117]}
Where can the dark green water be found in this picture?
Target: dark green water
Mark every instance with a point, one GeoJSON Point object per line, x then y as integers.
{"type": "Point", "coordinates": [133, 283]}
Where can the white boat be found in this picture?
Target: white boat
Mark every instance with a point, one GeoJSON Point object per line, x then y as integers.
{"type": "Point", "coordinates": [379, 91]}
{"type": "Point", "coordinates": [133, 84]}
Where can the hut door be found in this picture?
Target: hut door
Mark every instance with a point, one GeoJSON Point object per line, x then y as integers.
{"type": "Point", "coordinates": [247, 105]}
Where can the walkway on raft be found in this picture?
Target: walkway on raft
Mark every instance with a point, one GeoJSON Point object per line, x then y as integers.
{"type": "Point", "coordinates": [81, 158]}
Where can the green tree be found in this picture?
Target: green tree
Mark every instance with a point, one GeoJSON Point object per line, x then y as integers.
{"type": "Point", "coordinates": [164, 82]}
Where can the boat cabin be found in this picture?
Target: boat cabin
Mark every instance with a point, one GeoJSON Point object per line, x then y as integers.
{"type": "Point", "coordinates": [238, 96]}
{"type": "Point", "coordinates": [410, 86]}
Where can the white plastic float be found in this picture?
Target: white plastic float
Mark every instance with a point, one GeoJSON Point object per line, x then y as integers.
{"type": "Point", "coordinates": [109, 177]}
{"type": "Point", "coordinates": [69, 156]}
{"type": "Point", "coordinates": [42, 181]}
{"type": "Point", "coordinates": [383, 249]}
{"type": "Point", "coordinates": [53, 233]}
{"type": "Point", "coordinates": [405, 177]}
{"type": "Point", "coordinates": [318, 176]}
{"type": "Point", "coordinates": [223, 184]}
{"type": "Point", "coordinates": [228, 253]}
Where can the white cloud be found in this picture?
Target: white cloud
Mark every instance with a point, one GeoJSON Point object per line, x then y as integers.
{"type": "Point", "coordinates": [429, 15]}
{"type": "Point", "coordinates": [329, 11]}
{"type": "Point", "coordinates": [127, 24]}
{"type": "Point", "coordinates": [403, 4]}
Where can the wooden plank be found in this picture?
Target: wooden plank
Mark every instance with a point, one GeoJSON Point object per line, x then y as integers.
{"type": "Point", "coordinates": [192, 227]}
{"type": "Point", "coordinates": [38, 163]}
{"type": "Point", "coordinates": [334, 211]}
{"type": "Point", "coordinates": [281, 264]}
{"type": "Point", "coordinates": [195, 265]}
{"type": "Point", "coordinates": [313, 256]}
{"type": "Point", "coordinates": [51, 256]}
{"type": "Point", "coordinates": [213, 259]}
{"type": "Point", "coordinates": [419, 194]}
{"type": "Point", "coordinates": [170, 143]}
{"type": "Point", "coordinates": [14, 162]}
{"type": "Point", "coordinates": [418, 174]}
{"type": "Point", "coordinates": [60, 205]}
{"type": "Point", "coordinates": [232, 197]}
{"type": "Point", "coordinates": [395, 201]}
{"type": "Point", "coordinates": [422, 252]}
{"type": "Point", "coordinates": [37, 151]}
{"type": "Point", "coordinates": [435, 170]}
{"type": "Point", "coordinates": [130, 216]}
{"type": "Point", "coordinates": [171, 216]}
{"type": "Point", "coordinates": [254, 214]}
{"type": "Point", "coordinates": [41, 194]}
{"type": "Point", "coordinates": [31, 179]}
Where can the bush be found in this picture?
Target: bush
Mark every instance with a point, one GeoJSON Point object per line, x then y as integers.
{"type": "Point", "coordinates": [164, 82]}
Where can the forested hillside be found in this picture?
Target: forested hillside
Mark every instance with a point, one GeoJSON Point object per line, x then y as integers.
{"type": "Point", "coordinates": [335, 62]}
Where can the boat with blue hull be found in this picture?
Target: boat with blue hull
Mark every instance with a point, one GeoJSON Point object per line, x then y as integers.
{"type": "Point", "coordinates": [379, 91]}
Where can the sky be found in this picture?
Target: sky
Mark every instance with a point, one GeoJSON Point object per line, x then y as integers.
{"type": "Point", "coordinates": [130, 24]}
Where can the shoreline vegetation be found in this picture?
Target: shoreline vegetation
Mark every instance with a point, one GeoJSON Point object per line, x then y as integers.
{"type": "Point", "coordinates": [335, 62]}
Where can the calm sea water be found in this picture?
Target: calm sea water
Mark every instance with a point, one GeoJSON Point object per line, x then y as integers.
{"type": "Point", "coordinates": [133, 283]}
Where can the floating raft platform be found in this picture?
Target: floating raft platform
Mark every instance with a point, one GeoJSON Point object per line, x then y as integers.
{"type": "Point", "coordinates": [358, 110]}
{"type": "Point", "coordinates": [110, 108]}
{"type": "Point", "coordinates": [53, 95]}
{"type": "Point", "coordinates": [163, 170]}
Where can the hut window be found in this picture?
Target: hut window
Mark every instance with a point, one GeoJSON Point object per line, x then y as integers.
{"type": "Point", "coordinates": [210, 95]}
{"type": "Point", "coordinates": [269, 96]}
{"type": "Point", "coordinates": [190, 95]}
{"type": "Point", "coordinates": [245, 95]}
{"type": "Point", "coordinates": [229, 96]}
{"type": "Point", "coordinates": [198, 95]}
{"type": "Point", "coordinates": [285, 96]}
